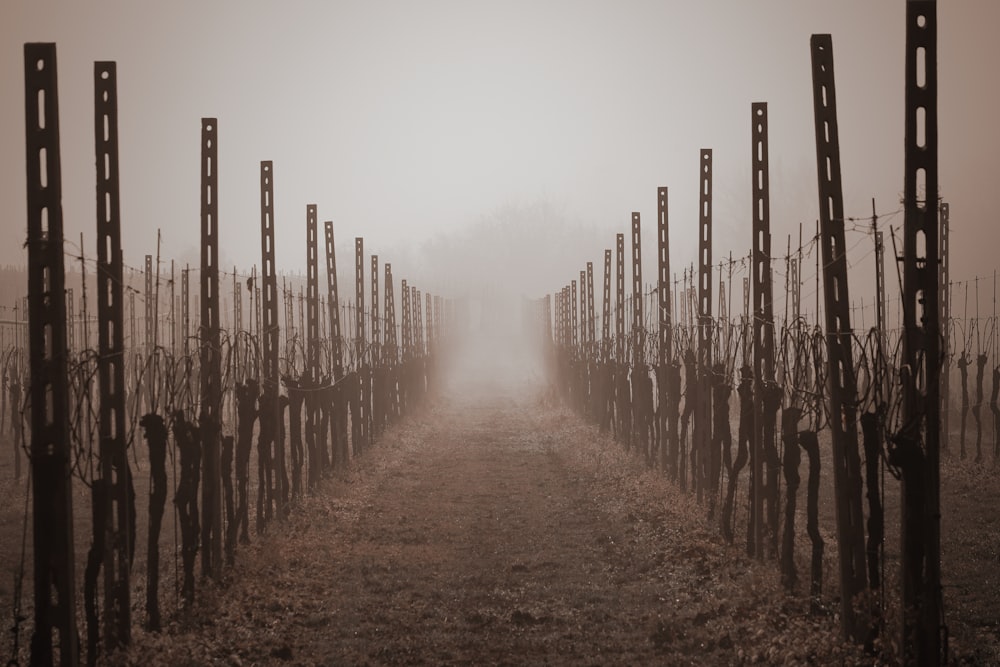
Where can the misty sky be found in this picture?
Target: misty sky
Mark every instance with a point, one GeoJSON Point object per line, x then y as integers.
{"type": "Point", "coordinates": [419, 125]}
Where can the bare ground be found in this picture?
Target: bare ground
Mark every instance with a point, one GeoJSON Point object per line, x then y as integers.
{"type": "Point", "coordinates": [495, 529]}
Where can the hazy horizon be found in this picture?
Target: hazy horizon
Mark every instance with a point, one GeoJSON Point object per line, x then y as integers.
{"type": "Point", "coordinates": [423, 126]}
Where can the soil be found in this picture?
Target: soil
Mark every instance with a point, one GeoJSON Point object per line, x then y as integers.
{"type": "Point", "coordinates": [495, 526]}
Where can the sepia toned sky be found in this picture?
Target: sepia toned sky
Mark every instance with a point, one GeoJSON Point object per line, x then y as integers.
{"type": "Point", "coordinates": [454, 135]}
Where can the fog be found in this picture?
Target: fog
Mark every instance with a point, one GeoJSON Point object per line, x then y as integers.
{"type": "Point", "coordinates": [489, 146]}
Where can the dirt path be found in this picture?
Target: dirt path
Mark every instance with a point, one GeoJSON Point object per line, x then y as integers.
{"type": "Point", "coordinates": [493, 530]}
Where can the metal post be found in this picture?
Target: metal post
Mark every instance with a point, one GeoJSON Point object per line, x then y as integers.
{"type": "Point", "coordinates": [271, 330]}
{"type": "Point", "coordinates": [944, 323]}
{"type": "Point", "coordinates": [52, 504]}
{"type": "Point", "coordinates": [312, 294]}
{"type": "Point", "coordinates": [591, 333]}
{"type": "Point", "coordinates": [620, 297]}
{"type": "Point", "coordinates": [701, 452]}
{"type": "Point", "coordinates": [115, 474]}
{"type": "Point", "coordinates": [376, 339]}
{"type": "Point", "coordinates": [637, 320]}
{"type": "Point", "coordinates": [843, 388]}
{"type": "Point", "coordinates": [392, 354]}
{"type": "Point", "coordinates": [150, 317]}
{"type": "Point", "coordinates": [574, 331]}
{"type": "Point", "coordinates": [407, 326]}
{"type": "Point", "coordinates": [606, 308]}
{"type": "Point", "coordinates": [211, 358]}
{"type": "Point", "coordinates": [418, 322]}
{"type": "Point", "coordinates": [763, 328]}
{"type": "Point", "coordinates": [333, 302]}
{"type": "Point", "coordinates": [359, 297]}
{"type": "Point", "coordinates": [663, 277]}
{"type": "Point", "coordinates": [920, 462]}
{"type": "Point", "coordinates": [70, 343]}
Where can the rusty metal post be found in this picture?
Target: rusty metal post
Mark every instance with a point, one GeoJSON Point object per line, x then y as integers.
{"type": "Point", "coordinates": [843, 388]}
{"type": "Point", "coordinates": [211, 358]}
{"type": "Point", "coordinates": [52, 500]}
{"type": "Point", "coordinates": [118, 537]}
{"type": "Point", "coordinates": [917, 454]}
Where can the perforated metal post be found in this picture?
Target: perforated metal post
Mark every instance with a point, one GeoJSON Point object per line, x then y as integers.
{"type": "Point", "coordinates": [763, 315]}
{"type": "Point", "coordinates": [843, 388]}
{"type": "Point", "coordinates": [638, 333]}
{"type": "Point", "coordinates": [271, 331]}
{"type": "Point", "coordinates": [431, 332]}
{"type": "Point", "coordinates": [391, 353]}
{"type": "Point", "coordinates": [70, 347]}
{"type": "Point", "coordinates": [703, 409]}
{"type": "Point", "coordinates": [186, 309]}
{"type": "Point", "coordinates": [590, 305]}
{"type": "Point", "coordinates": [359, 298]}
{"type": "Point", "coordinates": [796, 287]}
{"type": "Point", "coordinates": [574, 331]}
{"type": "Point", "coordinates": [583, 312]}
{"type": "Point", "coordinates": [406, 328]}
{"type": "Point", "coordinates": [333, 302]}
{"type": "Point", "coordinates": [312, 293]}
{"type": "Point", "coordinates": [558, 318]}
{"type": "Point", "coordinates": [620, 298]}
{"type": "Point", "coordinates": [548, 318]}
{"type": "Point", "coordinates": [944, 323]}
{"type": "Point", "coordinates": [118, 537]}
{"type": "Point", "coordinates": [606, 308]}
{"type": "Point", "coordinates": [376, 337]}
{"type": "Point", "coordinates": [439, 330]}
{"type": "Point", "coordinates": [211, 358]}
{"type": "Point", "coordinates": [173, 311]}
{"type": "Point", "coordinates": [917, 446]}
{"type": "Point", "coordinates": [52, 506]}
{"type": "Point", "coordinates": [418, 322]}
{"type": "Point", "coordinates": [148, 304]}
{"type": "Point", "coordinates": [663, 275]}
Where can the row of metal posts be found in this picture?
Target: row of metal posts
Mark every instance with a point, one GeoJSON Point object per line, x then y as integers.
{"type": "Point", "coordinates": [600, 380]}
{"type": "Point", "coordinates": [386, 382]}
